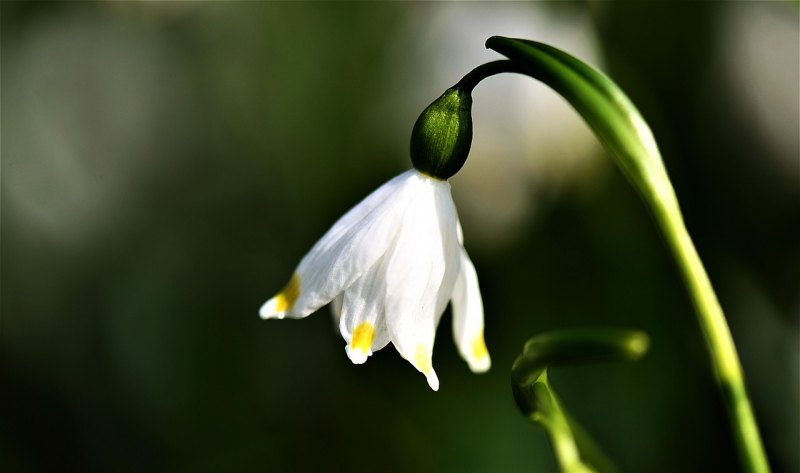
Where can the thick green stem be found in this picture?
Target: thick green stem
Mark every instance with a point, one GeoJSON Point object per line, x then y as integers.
{"type": "Point", "coordinates": [627, 138]}
{"type": "Point", "coordinates": [715, 329]}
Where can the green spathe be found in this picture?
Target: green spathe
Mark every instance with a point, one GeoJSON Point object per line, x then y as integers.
{"type": "Point", "coordinates": [442, 136]}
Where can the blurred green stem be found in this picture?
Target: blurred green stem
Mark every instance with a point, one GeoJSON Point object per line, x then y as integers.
{"type": "Point", "coordinates": [574, 448]}
{"type": "Point", "coordinates": [628, 139]}
{"type": "Point", "coordinates": [561, 431]}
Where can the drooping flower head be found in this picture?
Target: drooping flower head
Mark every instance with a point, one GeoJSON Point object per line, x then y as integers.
{"type": "Point", "coordinates": [392, 263]}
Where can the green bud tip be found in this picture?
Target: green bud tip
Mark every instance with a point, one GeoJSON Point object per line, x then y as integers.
{"type": "Point", "coordinates": [442, 135]}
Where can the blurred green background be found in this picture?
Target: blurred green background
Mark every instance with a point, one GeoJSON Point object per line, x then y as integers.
{"type": "Point", "coordinates": [166, 165]}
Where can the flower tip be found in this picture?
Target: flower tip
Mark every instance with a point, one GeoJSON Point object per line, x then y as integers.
{"type": "Point", "coordinates": [270, 309]}
{"type": "Point", "coordinates": [278, 306]}
{"type": "Point", "coordinates": [480, 365]}
{"type": "Point", "coordinates": [357, 355]}
{"type": "Point", "coordinates": [433, 380]}
{"type": "Point", "coordinates": [422, 362]}
{"type": "Point", "coordinates": [359, 348]}
{"type": "Point", "coordinates": [477, 357]}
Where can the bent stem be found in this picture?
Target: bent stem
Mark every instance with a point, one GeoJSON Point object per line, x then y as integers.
{"type": "Point", "coordinates": [561, 430]}
{"type": "Point", "coordinates": [628, 139]}
{"type": "Point", "coordinates": [575, 450]}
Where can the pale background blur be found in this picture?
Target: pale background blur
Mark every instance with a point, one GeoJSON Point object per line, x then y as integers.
{"type": "Point", "coordinates": [166, 165]}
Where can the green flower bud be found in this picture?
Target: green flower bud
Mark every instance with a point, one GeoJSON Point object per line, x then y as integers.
{"type": "Point", "coordinates": [442, 136]}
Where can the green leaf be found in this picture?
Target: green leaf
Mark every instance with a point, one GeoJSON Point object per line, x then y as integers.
{"type": "Point", "coordinates": [607, 110]}
{"type": "Point", "coordinates": [575, 450]}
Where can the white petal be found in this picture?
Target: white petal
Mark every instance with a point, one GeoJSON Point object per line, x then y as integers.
{"type": "Point", "coordinates": [452, 238]}
{"type": "Point", "coordinates": [417, 273]}
{"type": "Point", "coordinates": [345, 252]}
{"type": "Point", "coordinates": [278, 306]}
{"type": "Point", "coordinates": [468, 317]}
{"type": "Point", "coordinates": [336, 308]}
{"type": "Point", "coordinates": [362, 324]}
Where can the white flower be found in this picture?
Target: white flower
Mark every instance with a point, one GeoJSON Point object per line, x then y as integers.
{"type": "Point", "coordinates": [390, 265]}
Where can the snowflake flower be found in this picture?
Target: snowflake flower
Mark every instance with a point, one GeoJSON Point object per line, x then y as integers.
{"type": "Point", "coordinates": [391, 264]}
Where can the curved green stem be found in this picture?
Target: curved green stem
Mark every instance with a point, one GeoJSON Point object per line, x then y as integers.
{"type": "Point", "coordinates": [627, 138]}
{"type": "Point", "coordinates": [575, 450]}
{"type": "Point", "coordinates": [473, 77]}
{"type": "Point", "coordinates": [553, 417]}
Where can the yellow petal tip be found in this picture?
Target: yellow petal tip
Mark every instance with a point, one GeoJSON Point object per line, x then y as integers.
{"type": "Point", "coordinates": [360, 344]}
{"type": "Point", "coordinates": [479, 347]}
{"type": "Point", "coordinates": [422, 361]}
{"type": "Point", "coordinates": [479, 360]}
{"type": "Point", "coordinates": [283, 301]}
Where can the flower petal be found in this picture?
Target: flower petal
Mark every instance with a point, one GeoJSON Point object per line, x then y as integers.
{"type": "Point", "coordinates": [421, 267]}
{"type": "Point", "coordinates": [344, 253]}
{"type": "Point", "coordinates": [468, 317]}
{"type": "Point", "coordinates": [362, 324]}
{"type": "Point", "coordinates": [336, 308]}
{"type": "Point", "coordinates": [452, 238]}
{"type": "Point", "coordinates": [282, 302]}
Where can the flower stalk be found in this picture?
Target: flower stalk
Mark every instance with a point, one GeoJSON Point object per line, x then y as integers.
{"type": "Point", "coordinates": [627, 138]}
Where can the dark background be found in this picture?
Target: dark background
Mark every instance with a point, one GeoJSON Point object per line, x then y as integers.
{"type": "Point", "coordinates": [165, 166]}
